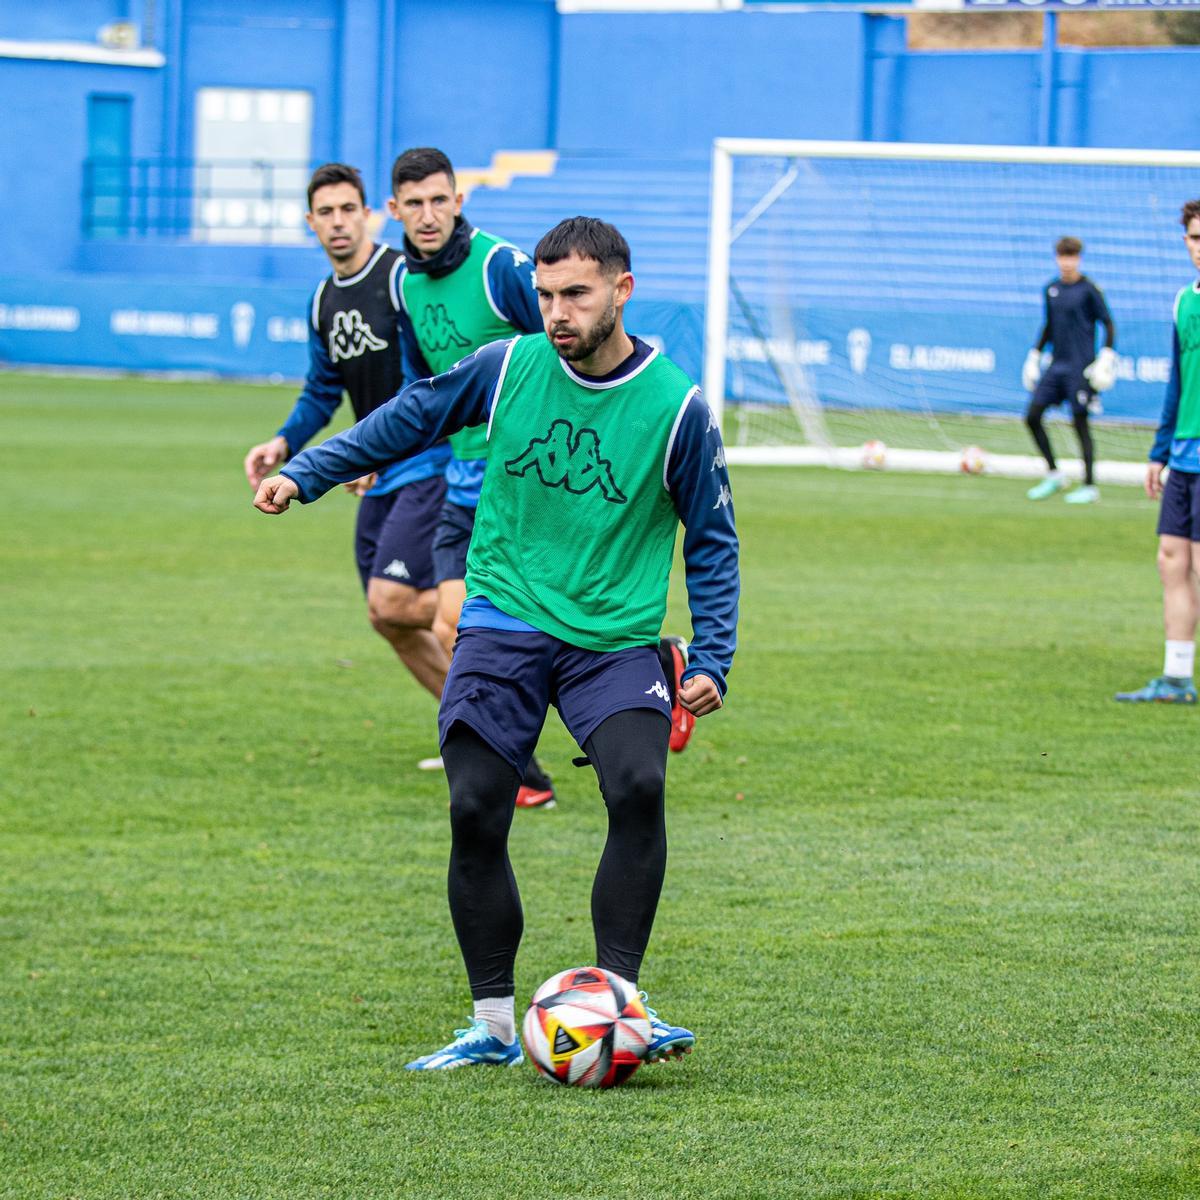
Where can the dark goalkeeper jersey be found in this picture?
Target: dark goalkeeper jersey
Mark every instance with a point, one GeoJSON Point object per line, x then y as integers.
{"type": "Point", "coordinates": [1073, 310]}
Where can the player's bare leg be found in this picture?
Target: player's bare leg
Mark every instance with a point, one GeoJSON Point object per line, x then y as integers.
{"type": "Point", "coordinates": [1178, 562]}
{"type": "Point", "coordinates": [1178, 568]}
{"type": "Point", "coordinates": [450, 597]}
{"type": "Point", "coordinates": [402, 615]}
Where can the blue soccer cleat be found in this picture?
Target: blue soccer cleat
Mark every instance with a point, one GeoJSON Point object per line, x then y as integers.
{"type": "Point", "coordinates": [1163, 690]}
{"type": "Point", "coordinates": [472, 1047]}
{"type": "Point", "coordinates": [666, 1041]}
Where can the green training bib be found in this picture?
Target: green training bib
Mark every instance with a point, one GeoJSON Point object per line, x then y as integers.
{"type": "Point", "coordinates": [575, 530]}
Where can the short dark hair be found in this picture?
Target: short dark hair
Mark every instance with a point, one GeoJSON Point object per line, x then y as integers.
{"type": "Point", "coordinates": [588, 237]}
{"type": "Point", "coordinates": [1189, 212]}
{"type": "Point", "coordinates": [419, 163]}
{"type": "Point", "coordinates": [329, 173]}
{"type": "Point", "coordinates": [1068, 245]}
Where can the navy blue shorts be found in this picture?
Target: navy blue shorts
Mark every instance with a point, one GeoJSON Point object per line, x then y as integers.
{"type": "Point", "coordinates": [1063, 382]}
{"type": "Point", "coordinates": [501, 685]}
{"type": "Point", "coordinates": [1179, 513]}
{"type": "Point", "coordinates": [451, 542]}
{"type": "Point", "coordinates": [393, 538]}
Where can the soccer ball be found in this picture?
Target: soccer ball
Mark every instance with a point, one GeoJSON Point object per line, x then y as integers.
{"type": "Point", "coordinates": [874, 455]}
{"type": "Point", "coordinates": [586, 1027]}
{"type": "Point", "coordinates": [973, 461]}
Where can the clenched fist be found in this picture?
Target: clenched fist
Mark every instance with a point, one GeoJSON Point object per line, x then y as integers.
{"type": "Point", "coordinates": [275, 494]}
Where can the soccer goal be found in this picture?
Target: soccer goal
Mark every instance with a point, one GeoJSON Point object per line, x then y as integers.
{"type": "Point", "coordinates": [884, 295]}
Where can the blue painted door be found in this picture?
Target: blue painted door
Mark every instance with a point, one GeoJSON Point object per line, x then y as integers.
{"type": "Point", "coordinates": [109, 172]}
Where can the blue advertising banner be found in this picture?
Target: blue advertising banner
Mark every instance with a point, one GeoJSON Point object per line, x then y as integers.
{"type": "Point", "coordinates": [135, 325]}
{"type": "Point", "coordinates": [931, 361]}
{"type": "Point", "coordinates": [126, 323]}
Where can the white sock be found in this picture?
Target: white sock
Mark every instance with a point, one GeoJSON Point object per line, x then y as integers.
{"type": "Point", "coordinates": [1180, 659]}
{"type": "Point", "coordinates": [498, 1012]}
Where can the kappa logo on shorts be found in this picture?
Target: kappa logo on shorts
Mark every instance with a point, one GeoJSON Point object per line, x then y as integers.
{"type": "Point", "coordinates": [566, 459]}
{"type": "Point", "coordinates": [397, 570]}
{"type": "Point", "coordinates": [438, 331]}
{"type": "Point", "coordinates": [660, 690]}
{"type": "Point", "coordinates": [352, 336]}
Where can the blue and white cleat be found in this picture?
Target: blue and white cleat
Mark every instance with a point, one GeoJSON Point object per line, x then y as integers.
{"type": "Point", "coordinates": [1163, 690]}
{"type": "Point", "coordinates": [1087, 494]}
{"type": "Point", "coordinates": [666, 1041]}
{"type": "Point", "coordinates": [472, 1047]}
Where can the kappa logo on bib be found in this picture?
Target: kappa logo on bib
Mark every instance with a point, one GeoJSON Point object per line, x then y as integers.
{"type": "Point", "coordinates": [566, 459]}
{"type": "Point", "coordinates": [352, 336]}
{"type": "Point", "coordinates": [438, 330]}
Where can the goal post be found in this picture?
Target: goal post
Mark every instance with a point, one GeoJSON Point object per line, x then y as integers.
{"type": "Point", "coordinates": [886, 294]}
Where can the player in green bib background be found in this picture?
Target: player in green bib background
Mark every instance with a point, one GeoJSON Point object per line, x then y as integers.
{"type": "Point", "coordinates": [598, 449]}
{"type": "Point", "coordinates": [1177, 447]}
{"type": "Point", "coordinates": [459, 289]}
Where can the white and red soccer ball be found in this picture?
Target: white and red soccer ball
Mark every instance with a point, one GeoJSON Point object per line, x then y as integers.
{"type": "Point", "coordinates": [973, 461]}
{"type": "Point", "coordinates": [874, 455]}
{"type": "Point", "coordinates": [586, 1027]}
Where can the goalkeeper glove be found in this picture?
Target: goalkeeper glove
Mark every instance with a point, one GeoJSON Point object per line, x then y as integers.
{"type": "Point", "coordinates": [1101, 373]}
{"type": "Point", "coordinates": [1031, 372]}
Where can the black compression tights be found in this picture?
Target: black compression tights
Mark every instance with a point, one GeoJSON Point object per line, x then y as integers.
{"type": "Point", "coordinates": [1079, 417]}
{"type": "Point", "coordinates": [629, 752]}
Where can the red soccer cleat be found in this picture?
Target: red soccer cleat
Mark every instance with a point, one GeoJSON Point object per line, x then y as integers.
{"type": "Point", "coordinates": [536, 790]}
{"type": "Point", "coordinates": [672, 653]}
{"type": "Point", "coordinates": [528, 797]}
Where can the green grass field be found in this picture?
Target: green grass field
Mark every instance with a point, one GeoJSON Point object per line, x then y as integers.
{"type": "Point", "coordinates": [931, 906]}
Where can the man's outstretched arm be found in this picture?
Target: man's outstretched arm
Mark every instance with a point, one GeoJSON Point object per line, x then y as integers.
{"type": "Point", "coordinates": [422, 414]}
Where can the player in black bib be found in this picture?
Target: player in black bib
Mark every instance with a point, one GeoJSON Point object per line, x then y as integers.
{"type": "Point", "coordinates": [354, 347]}
{"type": "Point", "coordinates": [1074, 307]}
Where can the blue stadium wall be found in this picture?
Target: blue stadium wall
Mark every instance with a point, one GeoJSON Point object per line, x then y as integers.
{"type": "Point", "coordinates": [473, 76]}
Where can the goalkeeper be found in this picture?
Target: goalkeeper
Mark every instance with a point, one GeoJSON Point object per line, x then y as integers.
{"type": "Point", "coordinates": [1076, 374]}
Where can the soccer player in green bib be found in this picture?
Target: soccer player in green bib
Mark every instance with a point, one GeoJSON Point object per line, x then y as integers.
{"type": "Point", "coordinates": [1177, 446]}
{"type": "Point", "coordinates": [459, 289]}
{"type": "Point", "coordinates": [598, 448]}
